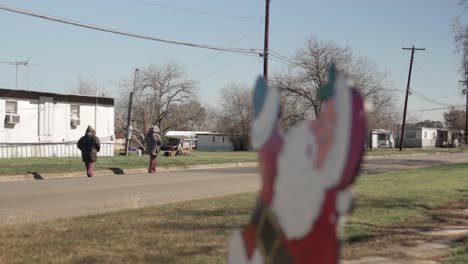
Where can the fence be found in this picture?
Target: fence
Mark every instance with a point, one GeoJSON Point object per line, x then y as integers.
{"type": "Point", "coordinates": [61, 149]}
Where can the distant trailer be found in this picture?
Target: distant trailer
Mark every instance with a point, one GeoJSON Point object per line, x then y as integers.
{"type": "Point", "coordinates": [202, 140]}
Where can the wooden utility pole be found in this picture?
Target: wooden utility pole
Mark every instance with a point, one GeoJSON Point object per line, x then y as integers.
{"type": "Point", "coordinates": [402, 135]}
{"type": "Point", "coordinates": [265, 49]}
{"type": "Point", "coordinates": [465, 92]}
{"type": "Point", "coordinates": [466, 108]}
{"type": "Point", "coordinates": [130, 109]}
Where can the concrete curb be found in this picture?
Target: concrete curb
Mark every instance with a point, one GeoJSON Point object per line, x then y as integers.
{"type": "Point", "coordinates": [411, 155]}
{"type": "Point", "coordinates": [29, 176]}
{"type": "Point", "coordinates": [99, 173]}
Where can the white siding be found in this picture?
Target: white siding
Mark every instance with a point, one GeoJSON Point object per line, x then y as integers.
{"type": "Point", "coordinates": [27, 130]}
{"type": "Point", "coordinates": [206, 142]}
{"type": "Point", "coordinates": [423, 137]}
{"type": "Point", "coordinates": [48, 123]}
{"type": "Point", "coordinates": [16, 150]}
{"type": "Point", "coordinates": [427, 137]}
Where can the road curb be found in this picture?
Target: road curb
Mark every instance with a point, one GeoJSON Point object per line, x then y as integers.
{"type": "Point", "coordinates": [411, 155]}
{"type": "Point", "coordinates": [99, 173]}
{"type": "Point", "coordinates": [31, 176]}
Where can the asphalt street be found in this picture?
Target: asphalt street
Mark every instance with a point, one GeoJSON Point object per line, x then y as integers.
{"type": "Point", "coordinates": [36, 200]}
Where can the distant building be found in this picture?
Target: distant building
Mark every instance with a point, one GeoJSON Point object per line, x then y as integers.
{"type": "Point", "coordinates": [39, 124]}
{"type": "Point", "coordinates": [202, 140]}
{"type": "Point", "coordinates": [447, 138]}
{"type": "Point", "coordinates": [420, 137]}
{"type": "Point", "coordinates": [120, 140]}
{"type": "Point", "coordinates": [381, 138]}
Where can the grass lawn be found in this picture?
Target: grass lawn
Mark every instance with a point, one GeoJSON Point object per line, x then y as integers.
{"type": "Point", "coordinates": [409, 151]}
{"type": "Point", "coordinates": [55, 165]}
{"type": "Point", "coordinates": [197, 231]}
{"type": "Point", "coordinates": [48, 165]}
{"type": "Point", "coordinates": [392, 197]}
{"type": "Point", "coordinates": [459, 255]}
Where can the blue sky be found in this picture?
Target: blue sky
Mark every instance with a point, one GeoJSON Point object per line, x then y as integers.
{"type": "Point", "coordinates": [374, 29]}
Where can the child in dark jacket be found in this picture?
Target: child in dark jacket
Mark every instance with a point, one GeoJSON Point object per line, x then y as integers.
{"type": "Point", "coordinates": [89, 145]}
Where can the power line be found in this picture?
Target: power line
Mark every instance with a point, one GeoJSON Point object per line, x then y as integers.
{"type": "Point", "coordinates": [442, 98]}
{"type": "Point", "coordinates": [434, 109]}
{"type": "Point", "coordinates": [428, 75]}
{"type": "Point", "coordinates": [124, 33]}
{"type": "Point", "coordinates": [290, 61]}
{"type": "Point", "coordinates": [426, 98]}
{"type": "Point", "coordinates": [197, 12]}
{"type": "Point", "coordinates": [285, 60]}
{"type": "Point", "coordinates": [278, 59]}
{"type": "Point", "coordinates": [223, 68]}
{"type": "Point", "coordinates": [230, 46]}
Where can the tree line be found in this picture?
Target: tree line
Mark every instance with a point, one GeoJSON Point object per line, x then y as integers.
{"type": "Point", "coordinates": [166, 96]}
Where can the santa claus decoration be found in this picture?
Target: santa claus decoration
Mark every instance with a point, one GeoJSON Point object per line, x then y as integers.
{"type": "Point", "coordinates": [306, 177]}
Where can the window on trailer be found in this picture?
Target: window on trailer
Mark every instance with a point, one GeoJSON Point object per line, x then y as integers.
{"type": "Point", "coordinates": [11, 107]}
{"type": "Point", "coordinates": [410, 134]}
{"type": "Point", "coordinates": [382, 137]}
{"type": "Point", "coordinates": [75, 111]}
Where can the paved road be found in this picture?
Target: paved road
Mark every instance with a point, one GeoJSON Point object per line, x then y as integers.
{"type": "Point", "coordinates": [49, 199]}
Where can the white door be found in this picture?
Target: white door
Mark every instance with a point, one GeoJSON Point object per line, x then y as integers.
{"type": "Point", "coordinates": [46, 118]}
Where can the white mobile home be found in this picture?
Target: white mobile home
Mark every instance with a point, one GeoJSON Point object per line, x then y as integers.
{"type": "Point", "coordinates": [420, 137]}
{"type": "Point", "coordinates": [39, 124]}
{"type": "Point", "coordinates": [206, 141]}
{"type": "Point", "coordinates": [214, 142]}
{"type": "Point", "coordinates": [380, 138]}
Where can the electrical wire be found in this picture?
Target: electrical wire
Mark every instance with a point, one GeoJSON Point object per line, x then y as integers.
{"type": "Point", "coordinates": [428, 99]}
{"type": "Point", "coordinates": [124, 33]}
{"type": "Point", "coordinates": [230, 46]}
{"type": "Point", "coordinates": [434, 109]}
{"type": "Point", "coordinates": [283, 59]}
{"type": "Point", "coordinates": [196, 11]}
{"type": "Point", "coordinates": [429, 76]}
{"type": "Point", "coordinates": [219, 70]}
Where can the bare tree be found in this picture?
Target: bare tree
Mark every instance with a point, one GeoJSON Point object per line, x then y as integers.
{"type": "Point", "coordinates": [461, 39]}
{"type": "Point", "coordinates": [186, 116]}
{"type": "Point", "coordinates": [455, 119]}
{"type": "Point", "coordinates": [160, 93]}
{"type": "Point", "coordinates": [85, 86]}
{"type": "Point", "coordinates": [309, 73]}
{"type": "Point", "coordinates": [236, 113]}
{"type": "Point", "coordinates": [302, 81]}
{"type": "Point", "coordinates": [210, 122]}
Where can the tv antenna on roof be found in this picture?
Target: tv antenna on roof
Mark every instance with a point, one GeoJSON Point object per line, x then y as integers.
{"type": "Point", "coordinates": [19, 63]}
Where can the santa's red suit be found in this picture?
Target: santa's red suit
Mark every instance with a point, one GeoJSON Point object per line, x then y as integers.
{"type": "Point", "coordinates": [306, 177]}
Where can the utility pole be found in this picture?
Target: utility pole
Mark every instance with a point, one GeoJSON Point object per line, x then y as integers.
{"type": "Point", "coordinates": [465, 92]}
{"type": "Point", "coordinates": [265, 49]}
{"type": "Point", "coordinates": [96, 110]}
{"type": "Point", "coordinates": [466, 107]}
{"type": "Point", "coordinates": [130, 109]}
{"type": "Point", "coordinates": [402, 135]}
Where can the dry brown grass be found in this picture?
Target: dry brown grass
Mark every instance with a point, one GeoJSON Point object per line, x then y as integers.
{"type": "Point", "coordinates": [190, 232]}
{"type": "Point", "coordinates": [390, 209]}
